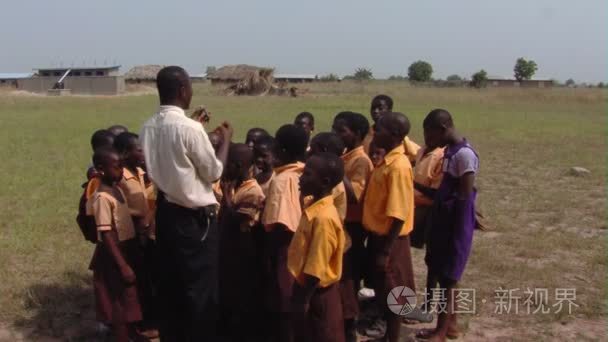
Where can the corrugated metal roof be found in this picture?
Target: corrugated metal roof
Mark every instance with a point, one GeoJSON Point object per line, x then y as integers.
{"type": "Point", "coordinates": [14, 75]}
{"type": "Point", "coordinates": [80, 68]}
{"type": "Point", "coordinates": [301, 76]}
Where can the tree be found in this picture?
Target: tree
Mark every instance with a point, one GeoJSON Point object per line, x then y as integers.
{"type": "Point", "coordinates": [363, 74]}
{"type": "Point", "coordinates": [210, 70]}
{"type": "Point", "coordinates": [524, 70]}
{"type": "Point", "coordinates": [454, 78]}
{"type": "Point", "coordinates": [479, 79]}
{"type": "Point", "coordinates": [570, 83]}
{"type": "Point", "coordinates": [420, 71]}
{"type": "Point", "coordinates": [397, 78]}
{"type": "Point", "coordinates": [600, 85]}
{"type": "Point", "coordinates": [330, 78]}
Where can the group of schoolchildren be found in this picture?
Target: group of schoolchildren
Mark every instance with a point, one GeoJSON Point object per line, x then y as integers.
{"type": "Point", "coordinates": [305, 222]}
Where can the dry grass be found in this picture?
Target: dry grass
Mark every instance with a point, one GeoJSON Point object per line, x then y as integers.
{"type": "Point", "coordinates": [549, 228]}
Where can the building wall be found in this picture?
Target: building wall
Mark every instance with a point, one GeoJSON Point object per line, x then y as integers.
{"type": "Point", "coordinates": [95, 85]}
{"type": "Point", "coordinates": [522, 84]}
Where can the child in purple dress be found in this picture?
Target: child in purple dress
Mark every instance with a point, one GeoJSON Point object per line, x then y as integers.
{"type": "Point", "coordinates": [452, 219]}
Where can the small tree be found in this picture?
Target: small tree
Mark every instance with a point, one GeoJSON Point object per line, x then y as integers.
{"type": "Point", "coordinates": [454, 78]}
{"type": "Point", "coordinates": [524, 70]}
{"type": "Point", "coordinates": [330, 78]}
{"type": "Point", "coordinates": [420, 71]}
{"type": "Point", "coordinates": [397, 78]}
{"type": "Point", "coordinates": [363, 74]}
{"type": "Point", "coordinates": [210, 70]}
{"type": "Point", "coordinates": [479, 79]}
{"type": "Point", "coordinates": [570, 83]}
{"type": "Point", "coordinates": [600, 85]}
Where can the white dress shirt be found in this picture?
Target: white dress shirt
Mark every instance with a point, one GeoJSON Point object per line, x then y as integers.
{"type": "Point", "coordinates": [179, 158]}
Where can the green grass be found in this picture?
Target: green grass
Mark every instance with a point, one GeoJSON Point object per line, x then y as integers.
{"type": "Point", "coordinates": [549, 228]}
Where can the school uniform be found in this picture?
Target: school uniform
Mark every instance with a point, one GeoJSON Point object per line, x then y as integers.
{"type": "Point", "coordinates": [338, 193]}
{"type": "Point", "coordinates": [240, 276]}
{"type": "Point", "coordinates": [282, 207]}
{"type": "Point", "coordinates": [316, 250]}
{"type": "Point", "coordinates": [390, 195]}
{"type": "Point", "coordinates": [428, 174]}
{"type": "Point", "coordinates": [115, 301]}
{"type": "Point", "coordinates": [409, 146]}
{"type": "Point", "coordinates": [453, 219]}
{"type": "Point", "coordinates": [357, 169]}
{"type": "Point", "coordinates": [133, 186]}
{"type": "Point", "coordinates": [266, 185]}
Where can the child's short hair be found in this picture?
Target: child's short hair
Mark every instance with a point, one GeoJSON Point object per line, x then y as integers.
{"type": "Point", "coordinates": [329, 142]}
{"type": "Point", "coordinates": [240, 153]}
{"type": "Point", "coordinates": [291, 139]}
{"type": "Point", "coordinates": [267, 141]}
{"type": "Point", "coordinates": [305, 115]}
{"type": "Point", "coordinates": [356, 122]}
{"type": "Point", "coordinates": [101, 155]}
{"type": "Point", "coordinates": [117, 129]}
{"type": "Point", "coordinates": [396, 123]}
{"type": "Point", "coordinates": [331, 166]}
{"type": "Point", "coordinates": [438, 118]}
{"type": "Point", "coordinates": [124, 141]}
{"type": "Point", "coordinates": [258, 130]}
{"type": "Point", "coordinates": [102, 138]}
{"type": "Point", "coordinates": [376, 101]}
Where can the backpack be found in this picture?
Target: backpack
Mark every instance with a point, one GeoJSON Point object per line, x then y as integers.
{"type": "Point", "coordinates": [86, 223]}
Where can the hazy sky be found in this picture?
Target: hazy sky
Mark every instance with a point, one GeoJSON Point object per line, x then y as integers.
{"type": "Point", "coordinates": [568, 39]}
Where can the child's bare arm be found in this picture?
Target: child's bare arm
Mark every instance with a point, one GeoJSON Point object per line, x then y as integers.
{"type": "Point", "coordinates": [467, 185]}
{"type": "Point", "coordinates": [393, 233]}
{"type": "Point", "coordinates": [110, 240]}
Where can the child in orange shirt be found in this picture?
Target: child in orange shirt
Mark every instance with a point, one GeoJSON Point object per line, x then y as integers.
{"type": "Point", "coordinates": [254, 135]}
{"type": "Point", "coordinates": [376, 154]}
{"type": "Point", "coordinates": [113, 277]}
{"type": "Point", "coordinates": [315, 255]}
{"type": "Point", "coordinates": [352, 128]}
{"type": "Point", "coordinates": [305, 121]}
{"type": "Point", "coordinates": [264, 161]}
{"type": "Point", "coordinates": [240, 254]}
{"type": "Point", "coordinates": [281, 216]}
{"type": "Point", "coordinates": [388, 215]}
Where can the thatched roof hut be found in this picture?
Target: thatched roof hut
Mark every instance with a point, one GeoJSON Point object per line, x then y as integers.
{"type": "Point", "coordinates": [143, 73]}
{"type": "Point", "coordinates": [244, 79]}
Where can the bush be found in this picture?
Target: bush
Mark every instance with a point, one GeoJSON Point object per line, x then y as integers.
{"type": "Point", "coordinates": [420, 71]}
{"type": "Point", "coordinates": [479, 79]}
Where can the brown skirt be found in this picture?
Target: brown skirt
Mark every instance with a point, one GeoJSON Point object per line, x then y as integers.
{"type": "Point", "coordinates": [115, 301]}
{"type": "Point", "coordinates": [399, 272]}
{"type": "Point", "coordinates": [324, 321]}
{"type": "Point", "coordinates": [279, 281]}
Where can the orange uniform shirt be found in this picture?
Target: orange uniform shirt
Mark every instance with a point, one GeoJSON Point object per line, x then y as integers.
{"type": "Point", "coordinates": [266, 186]}
{"type": "Point", "coordinates": [318, 244]}
{"type": "Point", "coordinates": [283, 200]}
{"type": "Point", "coordinates": [92, 186]}
{"type": "Point", "coordinates": [357, 169]}
{"type": "Point", "coordinates": [338, 193]}
{"type": "Point", "coordinates": [428, 172]}
{"type": "Point", "coordinates": [111, 214]}
{"type": "Point", "coordinates": [248, 200]}
{"type": "Point", "coordinates": [133, 186]}
{"type": "Point", "coordinates": [410, 147]}
{"type": "Point", "coordinates": [390, 194]}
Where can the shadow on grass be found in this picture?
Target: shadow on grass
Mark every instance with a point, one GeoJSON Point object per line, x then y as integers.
{"type": "Point", "coordinates": [63, 310]}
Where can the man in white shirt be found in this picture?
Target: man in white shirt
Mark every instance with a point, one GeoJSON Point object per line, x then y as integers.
{"type": "Point", "coordinates": [183, 165]}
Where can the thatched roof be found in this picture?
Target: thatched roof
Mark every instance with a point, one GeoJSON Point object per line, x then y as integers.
{"type": "Point", "coordinates": [143, 72]}
{"type": "Point", "coordinates": [231, 73]}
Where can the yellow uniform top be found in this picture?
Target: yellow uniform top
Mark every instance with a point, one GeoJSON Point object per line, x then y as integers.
{"type": "Point", "coordinates": [132, 185]}
{"type": "Point", "coordinates": [410, 147]}
{"type": "Point", "coordinates": [111, 214]}
{"type": "Point", "coordinates": [357, 169]}
{"type": "Point", "coordinates": [283, 200]}
{"type": "Point", "coordinates": [317, 246]}
{"type": "Point", "coordinates": [428, 172]}
{"type": "Point", "coordinates": [390, 194]}
{"type": "Point", "coordinates": [249, 200]}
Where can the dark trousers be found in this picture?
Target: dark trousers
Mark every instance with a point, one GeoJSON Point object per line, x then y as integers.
{"type": "Point", "coordinates": [188, 246]}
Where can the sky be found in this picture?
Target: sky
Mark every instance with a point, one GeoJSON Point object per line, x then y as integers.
{"type": "Point", "coordinates": [567, 39]}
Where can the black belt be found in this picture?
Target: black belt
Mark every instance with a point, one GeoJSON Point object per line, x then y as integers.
{"type": "Point", "coordinates": [209, 211]}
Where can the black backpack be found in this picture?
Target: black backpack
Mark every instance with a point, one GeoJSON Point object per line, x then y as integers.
{"type": "Point", "coordinates": [86, 223]}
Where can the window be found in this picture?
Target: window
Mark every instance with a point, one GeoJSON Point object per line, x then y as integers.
{"type": "Point", "coordinates": [76, 73]}
{"type": "Point", "coordinates": [99, 73]}
{"type": "Point", "coordinates": [46, 73]}
{"type": "Point", "coordinates": [56, 73]}
{"type": "Point", "coordinates": [88, 73]}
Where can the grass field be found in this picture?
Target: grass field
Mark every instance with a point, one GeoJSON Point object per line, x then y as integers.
{"type": "Point", "coordinates": [548, 228]}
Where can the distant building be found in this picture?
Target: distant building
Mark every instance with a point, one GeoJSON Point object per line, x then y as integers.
{"type": "Point", "coordinates": [12, 79]}
{"type": "Point", "coordinates": [510, 83]}
{"type": "Point", "coordinates": [295, 78]}
{"type": "Point", "coordinates": [103, 80]}
{"type": "Point", "coordinates": [143, 73]}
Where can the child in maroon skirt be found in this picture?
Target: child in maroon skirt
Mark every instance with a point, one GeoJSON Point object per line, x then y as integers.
{"type": "Point", "coordinates": [315, 255]}
{"type": "Point", "coordinates": [113, 277]}
{"type": "Point", "coordinates": [240, 252]}
{"type": "Point", "coordinates": [452, 218]}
